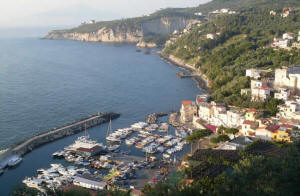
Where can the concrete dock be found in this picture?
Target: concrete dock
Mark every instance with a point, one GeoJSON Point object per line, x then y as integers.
{"type": "Point", "coordinates": [21, 148]}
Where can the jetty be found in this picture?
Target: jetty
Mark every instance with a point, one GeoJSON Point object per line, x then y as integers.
{"type": "Point", "coordinates": [24, 147]}
{"type": "Point", "coordinates": [183, 75]}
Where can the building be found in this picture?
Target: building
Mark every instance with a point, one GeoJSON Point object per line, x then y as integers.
{"type": "Point", "coordinates": [202, 99]}
{"type": "Point", "coordinates": [234, 118]}
{"type": "Point", "coordinates": [248, 128]}
{"type": "Point", "coordinates": [187, 111]}
{"type": "Point", "coordinates": [210, 36]}
{"type": "Point", "coordinates": [299, 36]}
{"type": "Point", "coordinates": [286, 13]}
{"type": "Point", "coordinates": [87, 152]}
{"type": "Point", "coordinates": [89, 183]}
{"type": "Point", "coordinates": [288, 78]}
{"type": "Point", "coordinates": [272, 12]}
{"type": "Point", "coordinates": [205, 111]}
{"type": "Point", "coordinates": [296, 44]}
{"type": "Point", "coordinates": [260, 94]}
{"type": "Point", "coordinates": [198, 14]}
{"type": "Point", "coordinates": [288, 35]}
{"type": "Point", "coordinates": [253, 114]}
{"type": "Point", "coordinates": [283, 94]}
{"type": "Point", "coordinates": [238, 143]}
{"type": "Point", "coordinates": [290, 110]}
{"type": "Point", "coordinates": [253, 73]}
{"type": "Point", "coordinates": [281, 135]}
{"type": "Point", "coordinates": [281, 43]}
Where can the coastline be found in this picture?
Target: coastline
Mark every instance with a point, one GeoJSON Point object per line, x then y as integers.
{"type": "Point", "coordinates": [200, 78]}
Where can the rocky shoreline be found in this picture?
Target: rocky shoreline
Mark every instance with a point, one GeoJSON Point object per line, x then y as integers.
{"type": "Point", "coordinates": [201, 80]}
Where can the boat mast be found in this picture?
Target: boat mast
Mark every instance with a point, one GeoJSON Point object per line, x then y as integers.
{"type": "Point", "coordinates": [109, 129]}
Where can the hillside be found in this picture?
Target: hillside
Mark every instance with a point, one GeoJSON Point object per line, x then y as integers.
{"type": "Point", "coordinates": [242, 41]}
{"type": "Point", "coordinates": [157, 26]}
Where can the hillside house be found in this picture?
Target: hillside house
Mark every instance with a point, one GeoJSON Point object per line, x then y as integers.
{"type": "Point", "coordinates": [187, 111]}
{"type": "Point", "coordinates": [288, 35]}
{"type": "Point", "coordinates": [283, 94]}
{"type": "Point", "coordinates": [281, 135]}
{"type": "Point", "coordinates": [253, 73]}
{"type": "Point", "coordinates": [288, 78]}
{"type": "Point", "coordinates": [211, 36]}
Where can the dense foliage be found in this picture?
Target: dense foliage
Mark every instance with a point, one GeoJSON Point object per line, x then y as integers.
{"type": "Point", "coordinates": [243, 42]}
{"type": "Point", "coordinates": [251, 175]}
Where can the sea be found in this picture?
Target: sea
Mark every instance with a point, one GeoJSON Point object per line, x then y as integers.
{"type": "Point", "coordinates": [48, 83]}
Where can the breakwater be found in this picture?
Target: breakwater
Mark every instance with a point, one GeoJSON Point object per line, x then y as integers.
{"type": "Point", "coordinates": [23, 147]}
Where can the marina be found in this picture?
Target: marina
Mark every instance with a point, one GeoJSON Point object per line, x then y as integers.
{"type": "Point", "coordinates": [88, 160]}
{"type": "Point", "coordinates": [80, 96]}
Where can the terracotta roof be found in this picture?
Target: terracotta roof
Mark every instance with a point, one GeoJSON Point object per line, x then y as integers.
{"type": "Point", "coordinates": [273, 128]}
{"type": "Point", "coordinates": [251, 133]}
{"type": "Point", "coordinates": [201, 100]}
{"type": "Point", "coordinates": [211, 127]}
{"type": "Point", "coordinates": [248, 122]}
{"type": "Point", "coordinates": [251, 110]}
{"type": "Point", "coordinates": [287, 126]}
{"type": "Point", "coordinates": [186, 103]}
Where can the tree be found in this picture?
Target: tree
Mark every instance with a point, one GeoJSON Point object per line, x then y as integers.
{"type": "Point", "coordinates": [231, 131]}
{"type": "Point", "coordinates": [214, 140]}
{"type": "Point", "coordinates": [223, 138]}
{"type": "Point", "coordinates": [272, 106]}
{"type": "Point", "coordinates": [77, 191]}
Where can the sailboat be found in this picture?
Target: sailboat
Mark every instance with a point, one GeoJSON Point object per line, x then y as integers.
{"type": "Point", "coordinates": [110, 136]}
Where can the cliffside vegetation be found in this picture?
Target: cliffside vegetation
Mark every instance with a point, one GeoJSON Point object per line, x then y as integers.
{"type": "Point", "coordinates": [261, 169]}
{"type": "Point", "coordinates": [242, 42]}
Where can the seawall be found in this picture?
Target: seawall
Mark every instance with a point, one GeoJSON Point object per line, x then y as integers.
{"type": "Point", "coordinates": [24, 147]}
{"type": "Point", "coordinates": [202, 81]}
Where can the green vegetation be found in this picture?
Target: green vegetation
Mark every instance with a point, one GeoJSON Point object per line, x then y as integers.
{"type": "Point", "coordinates": [242, 43]}
{"type": "Point", "coordinates": [196, 136]}
{"type": "Point", "coordinates": [220, 138]}
{"type": "Point", "coordinates": [226, 173]}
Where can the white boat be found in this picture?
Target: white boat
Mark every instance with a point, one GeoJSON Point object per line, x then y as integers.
{"type": "Point", "coordinates": [113, 147]}
{"type": "Point", "coordinates": [161, 149]}
{"type": "Point", "coordinates": [164, 127]}
{"type": "Point", "coordinates": [139, 125]}
{"type": "Point", "coordinates": [14, 161]}
{"type": "Point", "coordinates": [166, 156]}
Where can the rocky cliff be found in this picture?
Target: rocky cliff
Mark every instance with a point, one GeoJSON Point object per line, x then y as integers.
{"type": "Point", "coordinates": [124, 31]}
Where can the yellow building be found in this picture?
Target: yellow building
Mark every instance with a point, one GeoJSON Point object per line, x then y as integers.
{"type": "Point", "coordinates": [281, 135]}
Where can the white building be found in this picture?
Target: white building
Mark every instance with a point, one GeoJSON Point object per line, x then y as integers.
{"type": "Point", "coordinates": [299, 36]}
{"type": "Point", "coordinates": [282, 94]}
{"type": "Point", "coordinates": [281, 43]}
{"type": "Point", "coordinates": [260, 94]}
{"type": "Point", "coordinates": [198, 13]}
{"type": "Point", "coordinates": [253, 73]}
{"type": "Point", "coordinates": [288, 35]}
{"type": "Point", "coordinates": [288, 77]}
{"type": "Point", "coordinates": [291, 110]}
{"type": "Point", "coordinates": [89, 184]}
{"type": "Point", "coordinates": [211, 36]}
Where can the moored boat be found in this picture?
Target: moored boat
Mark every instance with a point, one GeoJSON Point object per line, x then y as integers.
{"type": "Point", "coordinates": [14, 161]}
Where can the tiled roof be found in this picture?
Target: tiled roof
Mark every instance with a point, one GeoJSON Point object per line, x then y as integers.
{"type": "Point", "coordinates": [186, 103]}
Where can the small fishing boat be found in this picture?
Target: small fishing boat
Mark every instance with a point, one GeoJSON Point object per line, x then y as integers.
{"type": "Point", "coordinates": [14, 161]}
{"type": "Point", "coordinates": [113, 148]}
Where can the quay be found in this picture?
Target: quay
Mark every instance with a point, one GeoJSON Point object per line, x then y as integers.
{"type": "Point", "coordinates": [24, 147]}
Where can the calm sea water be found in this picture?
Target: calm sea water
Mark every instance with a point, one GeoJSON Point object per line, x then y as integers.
{"type": "Point", "coordinates": [46, 83]}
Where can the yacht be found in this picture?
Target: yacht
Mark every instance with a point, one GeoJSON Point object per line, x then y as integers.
{"type": "Point", "coordinates": [14, 161]}
{"type": "Point", "coordinates": [139, 125]}
{"type": "Point", "coordinates": [113, 147]}
{"type": "Point", "coordinates": [164, 127]}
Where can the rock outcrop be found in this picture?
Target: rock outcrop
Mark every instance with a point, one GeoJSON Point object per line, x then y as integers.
{"type": "Point", "coordinates": [124, 31]}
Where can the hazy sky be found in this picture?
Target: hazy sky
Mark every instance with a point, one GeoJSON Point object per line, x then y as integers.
{"type": "Point", "coordinates": [20, 13]}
